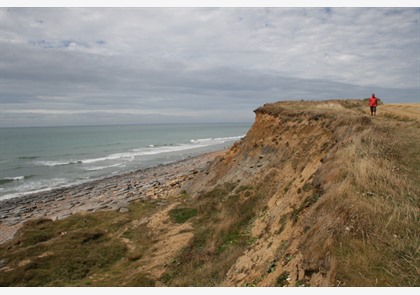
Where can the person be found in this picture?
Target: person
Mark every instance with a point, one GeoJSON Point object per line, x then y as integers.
{"type": "Point", "coordinates": [373, 102]}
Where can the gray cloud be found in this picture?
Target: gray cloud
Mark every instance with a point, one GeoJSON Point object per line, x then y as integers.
{"type": "Point", "coordinates": [66, 66]}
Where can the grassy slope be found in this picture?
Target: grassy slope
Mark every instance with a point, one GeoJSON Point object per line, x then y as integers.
{"type": "Point", "coordinates": [371, 202]}
{"type": "Point", "coordinates": [317, 194]}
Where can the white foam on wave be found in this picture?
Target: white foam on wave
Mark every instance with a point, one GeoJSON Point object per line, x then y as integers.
{"type": "Point", "coordinates": [217, 140]}
{"type": "Point", "coordinates": [230, 138]}
{"type": "Point", "coordinates": [38, 186]}
{"type": "Point", "coordinates": [201, 140]}
{"type": "Point", "coordinates": [11, 196]}
{"type": "Point", "coordinates": [163, 149]}
{"type": "Point", "coordinates": [125, 156]}
{"type": "Point", "coordinates": [56, 163]}
{"type": "Point", "coordinates": [95, 168]}
{"type": "Point", "coordinates": [147, 151]}
{"type": "Point", "coordinates": [16, 178]}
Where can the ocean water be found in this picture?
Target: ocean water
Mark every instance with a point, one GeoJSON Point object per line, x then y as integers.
{"type": "Point", "coordinates": [43, 158]}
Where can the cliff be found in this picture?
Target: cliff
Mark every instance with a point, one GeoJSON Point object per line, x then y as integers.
{"type": "Point", "coordinates": [317, 193]}
{"type": "Point", "coordinates": [329, 194]}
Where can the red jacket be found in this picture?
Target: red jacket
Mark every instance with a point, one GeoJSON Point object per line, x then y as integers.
{"type": "Point", "coordinates": [373, 102]}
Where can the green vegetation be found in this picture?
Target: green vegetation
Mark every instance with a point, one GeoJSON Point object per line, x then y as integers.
{"type": "Point", "coordinates": [282, 279]}
{"type": "Point", "coordinates": [221, 235]}
{"type": "Point", "coordinates": [59, 253]}
{"type": "Point", "coordinates": [69, 252]}
{"type": "Point", "coordinates": [181, 215]}
{"type": "Point", "coordinates": [306, 203]}
{"type": "Point", "coordinates": [89, 249]}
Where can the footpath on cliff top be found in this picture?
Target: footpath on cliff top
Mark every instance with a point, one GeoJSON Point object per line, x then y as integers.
{"type": "Point", "coordinates": [318, 193]}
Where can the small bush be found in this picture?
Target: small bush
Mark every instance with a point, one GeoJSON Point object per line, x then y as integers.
{"type": "Point", "coordinates": [282, 279]}
{"type": "Point", "coordinates": [229, 239]}
{"type": "Point", "coordinates": [181, 215]}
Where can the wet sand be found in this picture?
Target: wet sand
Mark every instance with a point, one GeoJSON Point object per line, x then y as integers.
{"type": "Point", "coordinates": [112, 193]}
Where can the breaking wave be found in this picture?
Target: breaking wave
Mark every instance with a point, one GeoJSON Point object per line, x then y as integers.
{"type": "Point", "coordinates": [146, 151]}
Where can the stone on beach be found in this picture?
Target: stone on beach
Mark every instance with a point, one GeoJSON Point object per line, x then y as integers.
{"type": "Point", "coordinates": [112, 193]}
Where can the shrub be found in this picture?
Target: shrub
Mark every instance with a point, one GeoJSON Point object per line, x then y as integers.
{"type": "Point", "coordinates": [181, 215]}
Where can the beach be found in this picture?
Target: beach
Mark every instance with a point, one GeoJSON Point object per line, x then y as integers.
{"type": "Point", "coordinates": [39, 159]}
{"type": "Point", "coordinates": [112, 193]}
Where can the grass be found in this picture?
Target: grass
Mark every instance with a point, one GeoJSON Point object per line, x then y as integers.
{"type": "Point", "coordinates": [310, 200]}
{"type": "Point", "coordinates": [373, 199]}
{"type": "Point", "coordinates": [181, 215]}
{"type": "Point", "coordinates": [282, 280]}
{"type": "Point", "coordinates": [360, 208]}
{"type": "Point", "coordinates": [69, 251]}
{"type": "Point", "coordinates": [54, 259]}
{"type": "Point", "coordinates": [221, 236]}
{"type": "Point", "coordinates": [105, 248]}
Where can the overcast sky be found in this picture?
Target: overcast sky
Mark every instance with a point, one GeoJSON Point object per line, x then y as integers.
{"type": "Point", "coordinates": [93, 66]}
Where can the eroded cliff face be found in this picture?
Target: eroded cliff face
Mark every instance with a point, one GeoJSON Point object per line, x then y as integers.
{"type": "Point", "coordinates": [316, 194]}
{"type": "Point", "coordinates": [280, 157]}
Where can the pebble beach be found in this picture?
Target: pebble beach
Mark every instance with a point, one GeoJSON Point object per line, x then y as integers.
{"type": "Point", "coordinates": [112, 193]}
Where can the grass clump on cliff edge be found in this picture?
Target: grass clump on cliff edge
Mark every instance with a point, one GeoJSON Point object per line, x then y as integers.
{"type": "Point", "coordinates": [181, 215]}
{"type": "Point", "coordinates": [221, 235]}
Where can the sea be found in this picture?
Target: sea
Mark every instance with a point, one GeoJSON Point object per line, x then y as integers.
{"type": "Point", "coordinates": [36, 159]}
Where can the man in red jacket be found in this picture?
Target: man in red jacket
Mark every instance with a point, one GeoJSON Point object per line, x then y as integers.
{"type": "Point", "coordinates": [373, 102]}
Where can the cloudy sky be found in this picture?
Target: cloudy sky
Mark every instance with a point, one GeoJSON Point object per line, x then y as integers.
{"type": "Point", "coordinates": [92, 66]}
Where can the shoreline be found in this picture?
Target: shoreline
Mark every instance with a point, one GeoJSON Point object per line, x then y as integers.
{"type": "Point", "coordinates": [109, 193]}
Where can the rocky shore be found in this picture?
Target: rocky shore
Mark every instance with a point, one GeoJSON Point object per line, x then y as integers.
{"type": "Point", "coordinates": [113, 193]}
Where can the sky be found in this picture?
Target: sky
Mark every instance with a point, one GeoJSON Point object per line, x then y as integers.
{"type": "Point", "coordinates": [139, 65]}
